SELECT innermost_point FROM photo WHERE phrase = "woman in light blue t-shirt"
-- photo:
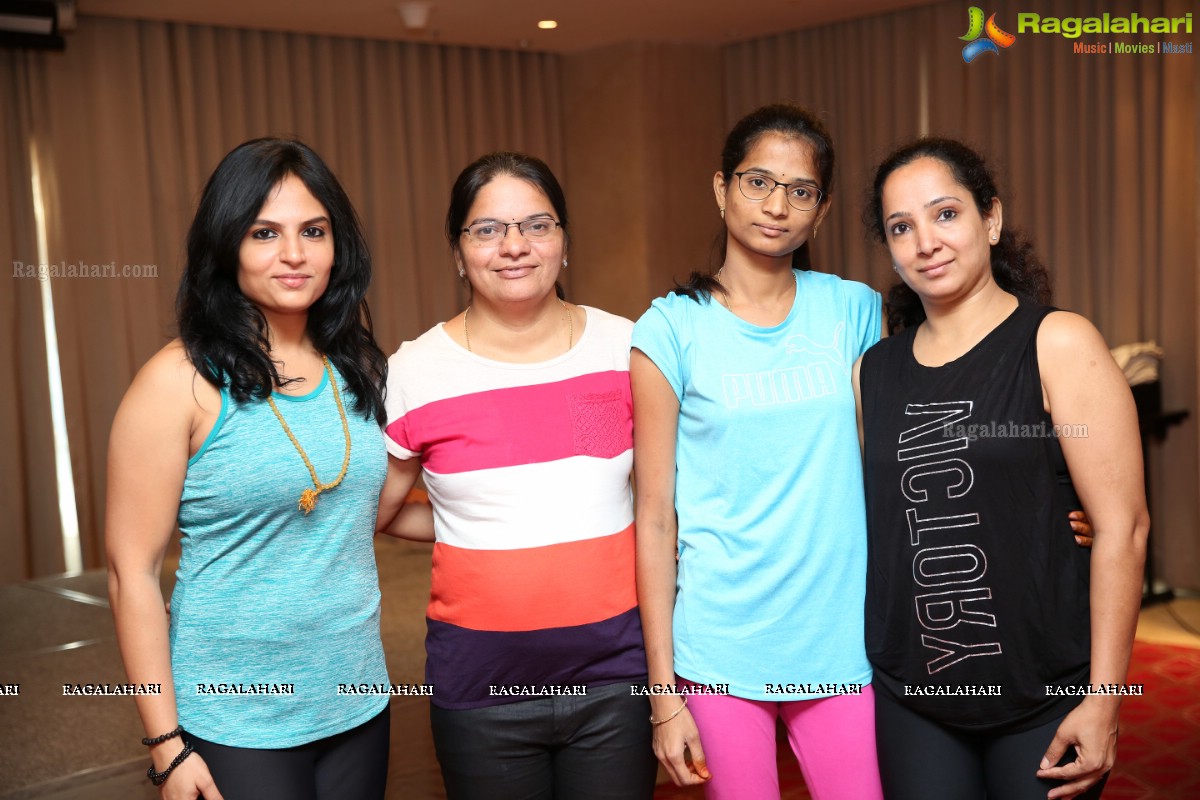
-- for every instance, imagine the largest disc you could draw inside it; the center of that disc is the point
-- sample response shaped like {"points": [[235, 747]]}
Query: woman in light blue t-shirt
{"points": [[750, 512]]}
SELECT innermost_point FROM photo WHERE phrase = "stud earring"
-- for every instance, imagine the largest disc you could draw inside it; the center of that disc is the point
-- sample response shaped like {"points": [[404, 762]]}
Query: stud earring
{"points": [[995, 237], [722, 213], [462, 273], [564, 263]]}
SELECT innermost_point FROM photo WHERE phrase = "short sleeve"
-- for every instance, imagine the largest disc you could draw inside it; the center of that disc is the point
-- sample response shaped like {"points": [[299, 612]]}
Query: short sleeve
{"points": [[655, 335], [400, 440], [865, 314]]}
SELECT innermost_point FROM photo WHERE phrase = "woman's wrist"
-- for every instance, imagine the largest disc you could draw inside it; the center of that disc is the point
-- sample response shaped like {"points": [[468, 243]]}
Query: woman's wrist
{"points": [[656, 719], [663, 704], [164, 753], [158, 775]]}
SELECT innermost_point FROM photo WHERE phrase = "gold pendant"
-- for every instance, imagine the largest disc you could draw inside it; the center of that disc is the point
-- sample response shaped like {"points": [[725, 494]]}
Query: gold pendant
{"points": [[308, 501]]}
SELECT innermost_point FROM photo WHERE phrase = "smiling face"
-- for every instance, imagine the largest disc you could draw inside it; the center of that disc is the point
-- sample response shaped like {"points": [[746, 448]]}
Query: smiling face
{"points": [[770, 227], [939, 241], [285, 259], [513, 269]]}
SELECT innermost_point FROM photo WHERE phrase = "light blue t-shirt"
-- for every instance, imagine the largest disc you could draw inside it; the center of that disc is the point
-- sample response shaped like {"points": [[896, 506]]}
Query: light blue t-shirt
{"points": [[270, 600], [769, 489]]}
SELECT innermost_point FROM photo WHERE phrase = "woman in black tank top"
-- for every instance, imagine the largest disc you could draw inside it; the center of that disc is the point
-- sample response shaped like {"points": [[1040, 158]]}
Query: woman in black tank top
{"points": [[999, 669]]}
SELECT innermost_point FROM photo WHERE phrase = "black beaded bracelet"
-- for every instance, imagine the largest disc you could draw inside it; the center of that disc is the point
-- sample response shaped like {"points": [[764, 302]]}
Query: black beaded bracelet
{"points": [[163, 738], [158, 778]]}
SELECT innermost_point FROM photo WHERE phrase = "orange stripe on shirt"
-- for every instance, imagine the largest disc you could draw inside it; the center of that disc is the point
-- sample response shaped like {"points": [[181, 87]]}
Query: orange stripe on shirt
{"points": [[555, 586]]}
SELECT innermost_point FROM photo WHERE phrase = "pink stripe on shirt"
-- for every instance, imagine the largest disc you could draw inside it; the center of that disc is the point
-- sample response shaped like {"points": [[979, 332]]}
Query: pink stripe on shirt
{"points": [[497, 428]]}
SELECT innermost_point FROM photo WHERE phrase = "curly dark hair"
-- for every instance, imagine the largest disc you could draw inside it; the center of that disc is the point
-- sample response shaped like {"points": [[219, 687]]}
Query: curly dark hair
{"points": [[1015, 266], [786, 119], [225, 335]]}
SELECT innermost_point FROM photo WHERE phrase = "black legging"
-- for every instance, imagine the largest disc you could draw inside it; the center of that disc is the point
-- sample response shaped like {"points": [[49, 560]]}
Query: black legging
{"points": [[922, 760], [352, 764]]}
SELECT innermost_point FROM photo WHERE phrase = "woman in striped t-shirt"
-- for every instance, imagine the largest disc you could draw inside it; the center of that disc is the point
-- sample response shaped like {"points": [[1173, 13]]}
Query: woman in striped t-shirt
{"points": [[518, 410]]}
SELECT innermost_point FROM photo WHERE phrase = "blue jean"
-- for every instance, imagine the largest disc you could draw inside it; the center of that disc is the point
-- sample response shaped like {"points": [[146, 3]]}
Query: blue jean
{"points": [[593, 747]]}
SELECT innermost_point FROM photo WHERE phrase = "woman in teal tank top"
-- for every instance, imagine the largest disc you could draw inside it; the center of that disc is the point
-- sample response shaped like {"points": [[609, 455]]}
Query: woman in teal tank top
{"points": [[257, 432]]}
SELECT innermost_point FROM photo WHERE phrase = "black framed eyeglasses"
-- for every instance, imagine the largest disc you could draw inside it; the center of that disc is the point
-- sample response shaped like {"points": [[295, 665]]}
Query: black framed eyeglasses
{"points": [[758, 187], [490, 231]]}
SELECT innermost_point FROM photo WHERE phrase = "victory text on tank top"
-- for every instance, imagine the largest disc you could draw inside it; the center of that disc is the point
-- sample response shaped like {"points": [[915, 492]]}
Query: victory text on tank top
{"points": [[948, 567]]}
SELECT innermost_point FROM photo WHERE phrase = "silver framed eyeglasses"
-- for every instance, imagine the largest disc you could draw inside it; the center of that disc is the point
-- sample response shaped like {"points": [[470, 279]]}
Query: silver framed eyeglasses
{"points": [[758, 187], [490, 231]]}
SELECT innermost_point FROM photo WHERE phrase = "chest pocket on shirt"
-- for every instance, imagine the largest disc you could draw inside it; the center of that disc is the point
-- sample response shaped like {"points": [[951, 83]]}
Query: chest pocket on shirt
{"points": [[600, 424]]}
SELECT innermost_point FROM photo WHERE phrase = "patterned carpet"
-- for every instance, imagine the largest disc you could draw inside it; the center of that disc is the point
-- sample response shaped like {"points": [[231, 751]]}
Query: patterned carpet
{"points": [[1158, 755]]}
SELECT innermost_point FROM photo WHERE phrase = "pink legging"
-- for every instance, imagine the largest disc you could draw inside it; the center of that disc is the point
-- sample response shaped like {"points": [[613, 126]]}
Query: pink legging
{"points": [[833, 738]]}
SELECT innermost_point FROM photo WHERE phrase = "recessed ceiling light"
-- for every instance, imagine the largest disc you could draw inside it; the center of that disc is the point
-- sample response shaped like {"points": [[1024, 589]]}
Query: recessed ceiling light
{"points": [[415, 14], [547, 24]]}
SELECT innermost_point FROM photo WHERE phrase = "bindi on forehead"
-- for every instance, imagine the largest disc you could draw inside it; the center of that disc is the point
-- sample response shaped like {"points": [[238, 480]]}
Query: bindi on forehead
{"points": [[781, 157]]}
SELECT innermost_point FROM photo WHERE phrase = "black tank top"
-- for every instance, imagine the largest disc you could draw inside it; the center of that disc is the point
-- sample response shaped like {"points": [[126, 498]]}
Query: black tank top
{"points": [[975, 585]]}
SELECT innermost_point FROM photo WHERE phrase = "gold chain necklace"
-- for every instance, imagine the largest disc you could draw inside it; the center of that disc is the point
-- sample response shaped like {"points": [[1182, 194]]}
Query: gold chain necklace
{"points": [[308, 498], [724, 295], [570, 327]]}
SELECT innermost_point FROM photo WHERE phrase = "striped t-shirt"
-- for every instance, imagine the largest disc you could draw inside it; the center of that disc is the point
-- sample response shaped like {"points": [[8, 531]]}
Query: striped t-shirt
{"points": [[527, 467]]}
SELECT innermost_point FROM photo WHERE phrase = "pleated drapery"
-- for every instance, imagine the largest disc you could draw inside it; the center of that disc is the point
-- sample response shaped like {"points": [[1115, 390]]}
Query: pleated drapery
{"points": [[1097, 154], [134, 117]]}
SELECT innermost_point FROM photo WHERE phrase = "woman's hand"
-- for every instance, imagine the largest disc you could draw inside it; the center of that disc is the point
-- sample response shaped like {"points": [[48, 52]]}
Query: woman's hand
{"points": [[1091, 728], [188, 781], [677, 745], [1082, 526]]}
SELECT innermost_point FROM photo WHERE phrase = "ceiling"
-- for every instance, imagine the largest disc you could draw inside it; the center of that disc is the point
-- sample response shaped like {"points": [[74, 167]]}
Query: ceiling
{"points": [[582, 24]]}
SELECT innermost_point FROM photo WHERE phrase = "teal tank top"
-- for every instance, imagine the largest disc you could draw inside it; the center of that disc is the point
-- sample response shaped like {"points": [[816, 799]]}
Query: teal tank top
{"points": [[273, 609]]}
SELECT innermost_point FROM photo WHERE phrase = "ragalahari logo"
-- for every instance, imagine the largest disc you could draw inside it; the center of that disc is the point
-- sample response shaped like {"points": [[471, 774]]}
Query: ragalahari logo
{"points": [[996, 38]]}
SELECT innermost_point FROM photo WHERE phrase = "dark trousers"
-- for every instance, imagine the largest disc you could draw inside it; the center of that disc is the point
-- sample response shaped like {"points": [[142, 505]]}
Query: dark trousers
{"points": [[349, 765], [594, 747], [922, 760]]}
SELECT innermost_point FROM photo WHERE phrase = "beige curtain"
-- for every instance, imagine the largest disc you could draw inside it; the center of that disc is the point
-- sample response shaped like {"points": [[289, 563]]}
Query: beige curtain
{"points": [[1098, 154], [135, 115], [26, 453], [861, 77]]}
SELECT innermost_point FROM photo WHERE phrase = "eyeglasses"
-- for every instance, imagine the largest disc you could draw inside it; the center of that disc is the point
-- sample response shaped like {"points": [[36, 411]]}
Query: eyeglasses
{"points": [[800, 196], [491, 231]]}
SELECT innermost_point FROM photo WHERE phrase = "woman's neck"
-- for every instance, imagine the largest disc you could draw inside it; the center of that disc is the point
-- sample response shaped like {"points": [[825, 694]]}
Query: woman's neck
{"points": [[292, 350], [519, 332], [983, 310], [759, 289], [287, 331], [952, 329]]}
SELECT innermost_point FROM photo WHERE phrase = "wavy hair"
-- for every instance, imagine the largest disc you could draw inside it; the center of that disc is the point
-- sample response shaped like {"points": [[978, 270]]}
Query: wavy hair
{"points": [[225, 335], [1015, 267], [788, 120]]}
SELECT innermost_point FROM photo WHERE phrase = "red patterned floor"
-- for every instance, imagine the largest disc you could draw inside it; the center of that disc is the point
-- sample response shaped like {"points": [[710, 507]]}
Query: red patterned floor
{"points": [[1158, 755]]}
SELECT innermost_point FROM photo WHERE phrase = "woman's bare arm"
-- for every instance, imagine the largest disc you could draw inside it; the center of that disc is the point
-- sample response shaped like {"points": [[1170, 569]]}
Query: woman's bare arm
{"points": [[147, 463], [655, 420], [412, 521], [1084, 387]]}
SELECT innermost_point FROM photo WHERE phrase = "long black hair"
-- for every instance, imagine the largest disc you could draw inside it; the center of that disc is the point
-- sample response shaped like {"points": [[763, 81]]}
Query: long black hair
{"points": [[225, 335], [785, 119], [484, 170], [1015, 267]]}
